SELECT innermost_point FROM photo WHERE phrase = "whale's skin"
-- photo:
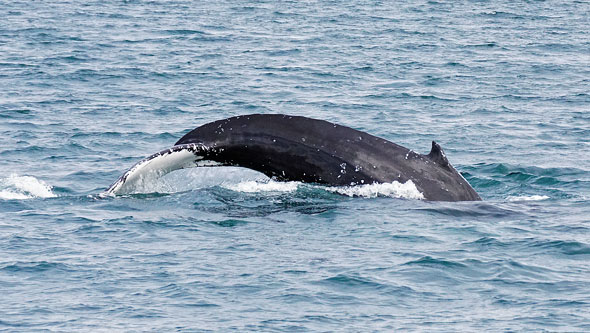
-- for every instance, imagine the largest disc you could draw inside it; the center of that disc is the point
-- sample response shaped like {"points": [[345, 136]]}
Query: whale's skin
{"points": [[316, 151]]}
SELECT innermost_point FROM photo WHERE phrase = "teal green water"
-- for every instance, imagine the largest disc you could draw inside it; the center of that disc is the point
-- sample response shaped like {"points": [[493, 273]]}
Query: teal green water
{"points": [[88, 89]]}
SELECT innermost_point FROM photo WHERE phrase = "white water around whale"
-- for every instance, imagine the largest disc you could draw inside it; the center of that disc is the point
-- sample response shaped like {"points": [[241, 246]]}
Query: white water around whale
{"points": [[253, 186], [160, 173], [16, 187], [527, 198], [244, 180], [394, 189]]}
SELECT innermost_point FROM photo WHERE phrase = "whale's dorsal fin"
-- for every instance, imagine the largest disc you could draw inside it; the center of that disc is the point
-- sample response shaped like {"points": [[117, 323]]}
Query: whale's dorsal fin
{"points": [[438, 155]]}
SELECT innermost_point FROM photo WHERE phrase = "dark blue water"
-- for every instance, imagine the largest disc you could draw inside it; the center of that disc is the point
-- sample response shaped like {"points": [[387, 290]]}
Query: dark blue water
{"points": [[89, 88]]}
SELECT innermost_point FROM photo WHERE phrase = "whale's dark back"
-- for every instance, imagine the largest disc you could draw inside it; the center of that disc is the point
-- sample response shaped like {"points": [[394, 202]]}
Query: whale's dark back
{"points": [[311, 150]]}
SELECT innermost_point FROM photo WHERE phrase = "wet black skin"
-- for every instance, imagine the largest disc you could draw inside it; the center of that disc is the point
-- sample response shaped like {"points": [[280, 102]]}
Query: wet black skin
{"points": [[317, 151]]}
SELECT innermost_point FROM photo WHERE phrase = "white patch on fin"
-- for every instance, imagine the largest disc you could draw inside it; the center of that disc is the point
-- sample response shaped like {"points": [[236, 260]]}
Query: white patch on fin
{"points": [[157, 165]]}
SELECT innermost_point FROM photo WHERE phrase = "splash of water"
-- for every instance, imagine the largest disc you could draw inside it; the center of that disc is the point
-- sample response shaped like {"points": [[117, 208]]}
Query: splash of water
{"points": [[527, 198], [256, 186], [24, 187], [394, 189]]}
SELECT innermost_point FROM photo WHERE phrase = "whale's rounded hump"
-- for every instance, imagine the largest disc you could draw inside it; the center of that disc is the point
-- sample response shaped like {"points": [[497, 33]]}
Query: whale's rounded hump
{"points": [[294, 148], [307, 150], [312, 150]]}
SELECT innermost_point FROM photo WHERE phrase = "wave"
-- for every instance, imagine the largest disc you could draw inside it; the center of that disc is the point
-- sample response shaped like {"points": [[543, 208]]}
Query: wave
{"points": [[526, 183], [24, 187]]}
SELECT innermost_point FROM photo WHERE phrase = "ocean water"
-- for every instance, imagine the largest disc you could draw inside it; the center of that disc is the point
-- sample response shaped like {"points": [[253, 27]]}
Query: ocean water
{"points": [[88, 88]]}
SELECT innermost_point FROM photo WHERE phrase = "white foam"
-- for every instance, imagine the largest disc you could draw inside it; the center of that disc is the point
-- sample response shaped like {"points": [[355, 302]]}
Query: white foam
{"points": [[256, 186], [146, 177], [24, 187], [527, 198], [9, 195], [394, 189]]}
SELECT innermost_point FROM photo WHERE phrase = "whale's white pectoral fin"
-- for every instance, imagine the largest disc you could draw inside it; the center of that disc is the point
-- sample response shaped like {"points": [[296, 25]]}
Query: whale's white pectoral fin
{"points": [[158, 165]]}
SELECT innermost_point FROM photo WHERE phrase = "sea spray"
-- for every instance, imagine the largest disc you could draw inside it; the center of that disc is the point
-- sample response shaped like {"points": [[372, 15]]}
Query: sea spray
{"points": [[16, 187]]}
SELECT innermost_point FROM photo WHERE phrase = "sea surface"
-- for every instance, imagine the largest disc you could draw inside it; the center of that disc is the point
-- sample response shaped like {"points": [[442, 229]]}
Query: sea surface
{"points": [[88, 88]]}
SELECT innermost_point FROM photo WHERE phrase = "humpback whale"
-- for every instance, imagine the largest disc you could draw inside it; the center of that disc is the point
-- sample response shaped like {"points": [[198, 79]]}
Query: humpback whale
{"points": [[303, 149]]}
